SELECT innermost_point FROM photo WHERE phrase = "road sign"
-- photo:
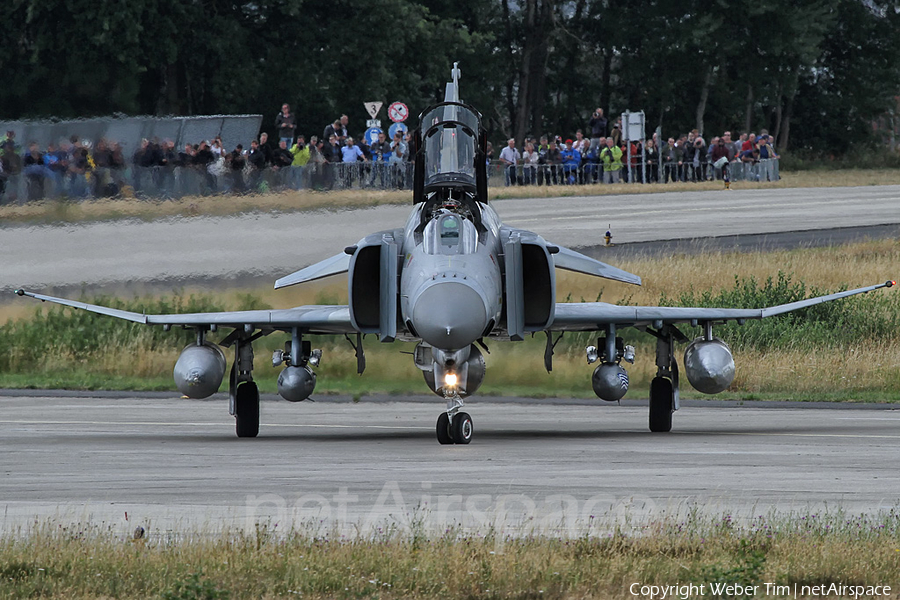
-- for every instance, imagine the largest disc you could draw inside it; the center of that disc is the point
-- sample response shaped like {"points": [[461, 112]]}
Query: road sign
{"points": [[397, 127], [398, 112], [373, 123], [373, 107], [372, 135]]}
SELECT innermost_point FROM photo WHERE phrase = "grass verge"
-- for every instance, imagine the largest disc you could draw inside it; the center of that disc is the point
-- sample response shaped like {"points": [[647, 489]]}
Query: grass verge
{"points": [[847, 350], [797, 551]]}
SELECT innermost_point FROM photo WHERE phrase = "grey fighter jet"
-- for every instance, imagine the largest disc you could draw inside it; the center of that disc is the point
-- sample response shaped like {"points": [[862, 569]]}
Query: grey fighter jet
{"points": [[452, 278]]}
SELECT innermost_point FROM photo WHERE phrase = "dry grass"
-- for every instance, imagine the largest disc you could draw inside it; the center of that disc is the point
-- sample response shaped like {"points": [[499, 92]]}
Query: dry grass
{"points": [[852, 265], [78, 561], [517, 369], [52, 211]]}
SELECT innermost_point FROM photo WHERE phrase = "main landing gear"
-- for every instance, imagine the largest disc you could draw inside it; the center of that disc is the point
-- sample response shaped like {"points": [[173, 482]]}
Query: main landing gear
{"points": [[664, 387], [242, 390], [454, 426]]}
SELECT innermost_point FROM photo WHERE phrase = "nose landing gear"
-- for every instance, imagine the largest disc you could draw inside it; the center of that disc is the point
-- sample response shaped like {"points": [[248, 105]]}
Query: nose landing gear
{"points": [[454, 426]]}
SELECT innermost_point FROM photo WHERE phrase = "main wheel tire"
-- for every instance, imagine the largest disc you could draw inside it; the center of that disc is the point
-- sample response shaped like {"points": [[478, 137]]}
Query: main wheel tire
{"points": [[443, 429], [246, 413], [462, 428], [661, 404]]}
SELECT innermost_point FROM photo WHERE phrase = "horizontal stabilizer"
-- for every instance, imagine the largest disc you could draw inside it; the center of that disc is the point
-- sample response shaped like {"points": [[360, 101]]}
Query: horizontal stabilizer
{"points": [[575, 261], [339, 263]]}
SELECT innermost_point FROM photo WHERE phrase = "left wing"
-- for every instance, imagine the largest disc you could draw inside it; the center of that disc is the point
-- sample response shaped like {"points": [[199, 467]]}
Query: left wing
{"points": [[593, 316], [312, 319]]}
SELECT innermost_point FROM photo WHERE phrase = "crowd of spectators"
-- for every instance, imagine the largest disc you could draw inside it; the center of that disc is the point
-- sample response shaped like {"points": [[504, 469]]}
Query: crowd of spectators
{"points": [[608, 158], [77, 168]]}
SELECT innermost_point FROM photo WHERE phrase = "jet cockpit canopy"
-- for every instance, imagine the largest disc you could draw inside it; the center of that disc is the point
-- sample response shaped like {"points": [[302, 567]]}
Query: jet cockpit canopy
{"points": [[449, 136]]}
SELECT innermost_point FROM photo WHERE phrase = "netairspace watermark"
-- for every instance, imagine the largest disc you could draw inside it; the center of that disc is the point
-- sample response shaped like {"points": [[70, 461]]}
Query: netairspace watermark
{"points": [[423, 511], [737, 590]]}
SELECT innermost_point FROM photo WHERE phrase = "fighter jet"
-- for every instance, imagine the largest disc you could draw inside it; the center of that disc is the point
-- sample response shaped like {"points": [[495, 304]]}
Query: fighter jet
{"points": [[452, 279]]}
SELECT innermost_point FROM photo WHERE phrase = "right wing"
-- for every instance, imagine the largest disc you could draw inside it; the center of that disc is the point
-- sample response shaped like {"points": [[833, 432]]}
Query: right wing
{"points": [[320, 319], [595, 316]]}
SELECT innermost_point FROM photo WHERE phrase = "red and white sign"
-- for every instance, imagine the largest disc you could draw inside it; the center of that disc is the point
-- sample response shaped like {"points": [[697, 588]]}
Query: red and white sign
{"points": [[398, 112]]}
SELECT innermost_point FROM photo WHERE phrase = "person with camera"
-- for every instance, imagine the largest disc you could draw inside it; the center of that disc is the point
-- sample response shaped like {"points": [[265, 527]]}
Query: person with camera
{"points": [[611, 157], [598, 129], [286, 124]]}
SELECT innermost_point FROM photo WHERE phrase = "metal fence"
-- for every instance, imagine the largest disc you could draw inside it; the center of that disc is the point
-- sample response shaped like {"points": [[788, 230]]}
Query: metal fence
{"points": [[40, 182], [652, 172]]}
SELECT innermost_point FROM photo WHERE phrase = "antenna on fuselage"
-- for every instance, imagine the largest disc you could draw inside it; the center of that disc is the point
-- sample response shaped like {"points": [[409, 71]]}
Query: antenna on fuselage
{"points": [[451, 92]]}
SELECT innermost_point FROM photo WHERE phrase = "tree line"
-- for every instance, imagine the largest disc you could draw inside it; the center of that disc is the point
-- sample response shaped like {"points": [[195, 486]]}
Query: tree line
{"points": [[815, 73]]}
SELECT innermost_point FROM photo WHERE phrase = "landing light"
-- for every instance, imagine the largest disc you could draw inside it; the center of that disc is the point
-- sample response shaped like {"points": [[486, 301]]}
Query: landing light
{"points": [[450, 379]]}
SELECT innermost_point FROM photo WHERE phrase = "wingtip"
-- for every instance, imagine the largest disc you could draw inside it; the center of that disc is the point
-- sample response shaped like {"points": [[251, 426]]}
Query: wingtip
{"points": [[20, 292], [890, 283]]}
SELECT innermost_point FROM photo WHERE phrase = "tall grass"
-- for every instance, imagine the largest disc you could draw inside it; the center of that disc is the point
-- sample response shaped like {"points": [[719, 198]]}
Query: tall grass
{"points": [[91, 561], [851, 345]]}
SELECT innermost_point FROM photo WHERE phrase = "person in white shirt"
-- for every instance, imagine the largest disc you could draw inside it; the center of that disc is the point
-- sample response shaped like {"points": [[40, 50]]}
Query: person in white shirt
{"points": [[509, 158]]}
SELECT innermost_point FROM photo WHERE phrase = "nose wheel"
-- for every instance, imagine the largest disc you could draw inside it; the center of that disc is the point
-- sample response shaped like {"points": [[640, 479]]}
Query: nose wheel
{"points": [[454, 426]]}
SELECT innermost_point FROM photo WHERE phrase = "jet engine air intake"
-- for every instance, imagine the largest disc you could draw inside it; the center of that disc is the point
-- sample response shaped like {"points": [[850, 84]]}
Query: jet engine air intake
{"points": [[199, 370]]}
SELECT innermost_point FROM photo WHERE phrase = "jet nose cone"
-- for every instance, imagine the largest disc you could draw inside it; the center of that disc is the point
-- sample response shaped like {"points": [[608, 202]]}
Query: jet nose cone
{"points": [[449, 315]]}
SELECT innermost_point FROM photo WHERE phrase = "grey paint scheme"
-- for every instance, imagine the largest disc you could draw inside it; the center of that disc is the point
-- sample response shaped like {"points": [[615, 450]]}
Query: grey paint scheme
{"points": [[422, 272]]}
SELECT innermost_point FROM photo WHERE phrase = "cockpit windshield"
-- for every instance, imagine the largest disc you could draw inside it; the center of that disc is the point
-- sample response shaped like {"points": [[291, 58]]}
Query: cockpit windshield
{"points": [[449, 135], [450, 233]]}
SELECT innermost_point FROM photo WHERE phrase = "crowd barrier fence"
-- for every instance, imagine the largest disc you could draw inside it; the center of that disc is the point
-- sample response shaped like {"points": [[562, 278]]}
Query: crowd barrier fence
{"points": [[40, 182]]}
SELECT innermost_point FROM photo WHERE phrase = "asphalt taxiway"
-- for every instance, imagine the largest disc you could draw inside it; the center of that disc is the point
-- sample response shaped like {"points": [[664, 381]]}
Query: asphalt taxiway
{"points": [[265, 246], [175, 464]]}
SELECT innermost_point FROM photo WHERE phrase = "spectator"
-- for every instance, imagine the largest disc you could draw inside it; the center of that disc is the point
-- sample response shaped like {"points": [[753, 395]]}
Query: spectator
{"points": [[611, 157], [598, 128], [729, 145], [739, 145], [265, 148], [530, 160], [237, 162], [404, 147], [300, 152], [571, 161], [652, 157], [749, 143], [351, 154], [700, 160], [331, 150], [335, 129], [616, 133], [550, 173], [257, 160], [509, 158], [397, 165], [34, 171], [285, 124], [766, 150], [202, 160], [381, 154], [671, 161], [282, 157], [719, 157]]}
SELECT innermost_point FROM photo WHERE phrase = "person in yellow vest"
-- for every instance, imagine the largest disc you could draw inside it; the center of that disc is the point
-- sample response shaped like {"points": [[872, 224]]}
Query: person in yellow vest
{"points": [[611, 157]]}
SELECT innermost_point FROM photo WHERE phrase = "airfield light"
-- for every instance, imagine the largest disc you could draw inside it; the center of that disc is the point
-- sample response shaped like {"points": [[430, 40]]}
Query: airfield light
{"points": [[450, 379]]}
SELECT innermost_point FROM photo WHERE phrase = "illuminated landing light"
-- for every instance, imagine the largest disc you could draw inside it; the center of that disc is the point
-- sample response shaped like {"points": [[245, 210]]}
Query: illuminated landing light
{"points": [[450, 380]]}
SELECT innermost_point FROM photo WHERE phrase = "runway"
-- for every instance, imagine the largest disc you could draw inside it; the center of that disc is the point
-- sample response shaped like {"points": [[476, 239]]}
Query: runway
{"points": [[264, 246], [174, 464]]}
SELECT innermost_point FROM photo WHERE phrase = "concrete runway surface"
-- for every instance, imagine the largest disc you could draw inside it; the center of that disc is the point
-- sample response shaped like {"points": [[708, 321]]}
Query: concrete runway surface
{"points": [[174, 464], [180, 251]]}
